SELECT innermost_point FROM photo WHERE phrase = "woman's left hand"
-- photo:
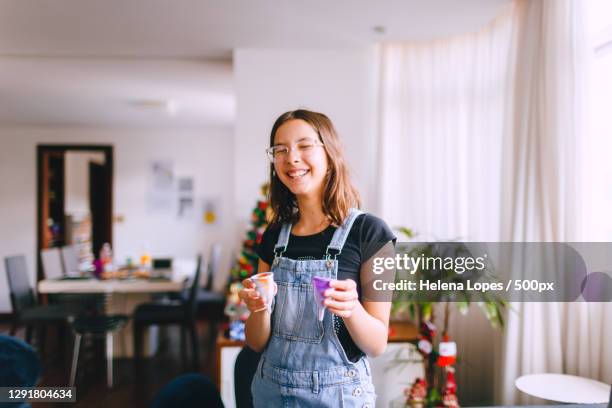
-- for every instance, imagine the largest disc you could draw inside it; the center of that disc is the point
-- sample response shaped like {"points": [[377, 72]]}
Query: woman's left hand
{"points": [[342, 297]]}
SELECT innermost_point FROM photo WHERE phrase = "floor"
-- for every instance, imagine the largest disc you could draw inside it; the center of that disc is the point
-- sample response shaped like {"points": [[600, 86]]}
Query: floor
{"points": [[130, 389]]}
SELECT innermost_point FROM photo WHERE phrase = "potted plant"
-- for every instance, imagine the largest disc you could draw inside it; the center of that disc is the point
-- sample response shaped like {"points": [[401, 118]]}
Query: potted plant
{"points": [[438, 353]]}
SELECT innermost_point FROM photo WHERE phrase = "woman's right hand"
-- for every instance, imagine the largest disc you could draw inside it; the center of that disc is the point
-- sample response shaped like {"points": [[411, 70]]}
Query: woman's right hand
{"points": [[251, 297]]}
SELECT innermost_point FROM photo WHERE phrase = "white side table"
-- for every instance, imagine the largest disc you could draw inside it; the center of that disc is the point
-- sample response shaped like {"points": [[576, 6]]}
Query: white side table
{"points": [[564, 388]]}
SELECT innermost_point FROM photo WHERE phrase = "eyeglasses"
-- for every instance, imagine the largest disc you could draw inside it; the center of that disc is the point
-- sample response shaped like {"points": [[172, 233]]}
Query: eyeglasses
{"points": [[281, 152]]}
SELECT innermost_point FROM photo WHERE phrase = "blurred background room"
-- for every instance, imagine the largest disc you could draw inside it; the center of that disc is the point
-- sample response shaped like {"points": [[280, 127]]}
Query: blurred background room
{"points": [[133, 178]]}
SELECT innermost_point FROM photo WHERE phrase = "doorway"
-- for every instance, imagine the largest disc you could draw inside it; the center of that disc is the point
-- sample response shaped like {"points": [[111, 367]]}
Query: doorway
{"points": [[74, 198]]}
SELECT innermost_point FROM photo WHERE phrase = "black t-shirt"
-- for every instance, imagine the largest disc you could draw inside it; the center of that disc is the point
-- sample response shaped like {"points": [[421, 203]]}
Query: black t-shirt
{"points": [[368, 235]]}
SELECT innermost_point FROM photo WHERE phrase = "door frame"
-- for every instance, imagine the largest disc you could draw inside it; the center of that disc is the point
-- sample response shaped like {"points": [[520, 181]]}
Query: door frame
{"points": [[41, 149]]}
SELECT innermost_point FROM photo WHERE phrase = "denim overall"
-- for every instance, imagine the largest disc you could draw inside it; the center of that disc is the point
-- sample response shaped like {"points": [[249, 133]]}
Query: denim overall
{"points": [[304, 364]]}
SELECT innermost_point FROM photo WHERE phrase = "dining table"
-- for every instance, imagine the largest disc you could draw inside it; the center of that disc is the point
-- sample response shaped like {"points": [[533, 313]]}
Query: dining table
{"points": [[124, 294]]}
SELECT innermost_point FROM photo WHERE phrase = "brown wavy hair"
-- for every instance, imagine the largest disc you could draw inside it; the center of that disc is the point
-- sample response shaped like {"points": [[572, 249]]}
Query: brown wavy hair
{"points": [[339, 194]]}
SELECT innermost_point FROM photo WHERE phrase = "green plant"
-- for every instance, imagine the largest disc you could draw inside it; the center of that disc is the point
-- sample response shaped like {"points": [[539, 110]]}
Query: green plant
{"points": [[419, 306]]}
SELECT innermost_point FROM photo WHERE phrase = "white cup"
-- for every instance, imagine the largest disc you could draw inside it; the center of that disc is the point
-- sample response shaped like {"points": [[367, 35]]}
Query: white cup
{"points": [[264, 284]]}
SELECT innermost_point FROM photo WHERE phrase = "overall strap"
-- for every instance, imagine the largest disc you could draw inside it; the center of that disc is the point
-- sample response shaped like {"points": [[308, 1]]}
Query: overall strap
{"points": [[283, 240], [335, 246]]}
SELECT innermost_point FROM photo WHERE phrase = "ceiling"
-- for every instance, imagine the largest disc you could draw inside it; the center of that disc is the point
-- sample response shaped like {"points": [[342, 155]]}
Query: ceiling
{"points": [[115, 93], [117, 62], [212, 28]]}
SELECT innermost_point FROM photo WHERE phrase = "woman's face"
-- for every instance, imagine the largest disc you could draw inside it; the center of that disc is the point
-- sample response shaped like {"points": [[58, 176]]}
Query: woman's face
{"points": [[302, 169]]}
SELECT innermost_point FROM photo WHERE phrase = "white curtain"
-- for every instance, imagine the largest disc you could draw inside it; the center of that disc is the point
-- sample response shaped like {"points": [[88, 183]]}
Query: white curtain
{"points": [[442, 110], [479, 141], [546, 171], [443, 117]]}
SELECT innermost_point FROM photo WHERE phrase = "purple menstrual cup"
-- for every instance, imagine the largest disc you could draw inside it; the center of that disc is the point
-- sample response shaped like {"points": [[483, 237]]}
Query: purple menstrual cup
{"points": [[320, 285]]}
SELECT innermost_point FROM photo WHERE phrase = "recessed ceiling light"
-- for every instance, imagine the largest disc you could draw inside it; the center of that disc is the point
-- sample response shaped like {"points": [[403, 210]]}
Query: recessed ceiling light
{"points": [[167, 105]]}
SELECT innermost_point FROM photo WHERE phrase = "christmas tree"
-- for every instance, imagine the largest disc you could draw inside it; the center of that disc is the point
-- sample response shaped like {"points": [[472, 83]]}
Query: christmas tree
{"points": [[246, 264]]}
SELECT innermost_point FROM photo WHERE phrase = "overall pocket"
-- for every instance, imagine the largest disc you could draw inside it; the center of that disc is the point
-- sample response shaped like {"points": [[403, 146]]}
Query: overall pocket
{"points": [[356, 395], [295, 313]]}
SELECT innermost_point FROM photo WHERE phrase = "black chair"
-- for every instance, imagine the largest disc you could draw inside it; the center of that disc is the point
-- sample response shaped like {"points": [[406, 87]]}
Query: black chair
{"points": [[244, 371], [93, 321], [159, 268], [181, 312], [26, 310], [211, 304]]}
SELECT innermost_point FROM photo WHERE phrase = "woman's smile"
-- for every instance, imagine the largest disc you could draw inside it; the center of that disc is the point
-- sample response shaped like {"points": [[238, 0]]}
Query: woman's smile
{"points": [[297, 174]]}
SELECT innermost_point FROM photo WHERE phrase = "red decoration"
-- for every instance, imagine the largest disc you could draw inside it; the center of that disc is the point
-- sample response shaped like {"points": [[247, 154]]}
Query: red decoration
{"points": [[427, 330], [426, 336], [417, 393], [451, 385], [450, 400], [447, 351]]}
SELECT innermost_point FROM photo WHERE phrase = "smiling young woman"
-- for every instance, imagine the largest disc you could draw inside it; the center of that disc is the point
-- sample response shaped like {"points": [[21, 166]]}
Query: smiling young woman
{"points": [[340, 195], [317, 233]]}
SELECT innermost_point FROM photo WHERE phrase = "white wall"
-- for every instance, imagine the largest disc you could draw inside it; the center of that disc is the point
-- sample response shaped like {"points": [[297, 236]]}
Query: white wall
{"points": [[205, 154], [340, 83]]}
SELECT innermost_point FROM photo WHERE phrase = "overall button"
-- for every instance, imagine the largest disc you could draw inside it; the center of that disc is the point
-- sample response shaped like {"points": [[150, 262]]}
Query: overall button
{"points": [[351, 373], [329, 264], [357, 392]]}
